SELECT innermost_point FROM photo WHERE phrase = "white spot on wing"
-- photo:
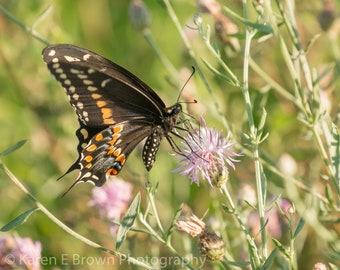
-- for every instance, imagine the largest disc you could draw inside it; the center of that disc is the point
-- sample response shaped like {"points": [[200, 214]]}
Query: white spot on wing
{"points": [[67, 82], [87, 175], [75, 71], [87, 82], [86, 57], [51, 53], [75, 96], [92, 88], [80, 105], [84, 132], [56, 65], [82, 76], [71, 58], [105, 82]]}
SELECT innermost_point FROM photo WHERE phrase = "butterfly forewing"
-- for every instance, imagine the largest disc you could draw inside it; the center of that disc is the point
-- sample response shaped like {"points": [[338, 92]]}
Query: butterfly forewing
{"points": [[116, 111], [100, 91]]}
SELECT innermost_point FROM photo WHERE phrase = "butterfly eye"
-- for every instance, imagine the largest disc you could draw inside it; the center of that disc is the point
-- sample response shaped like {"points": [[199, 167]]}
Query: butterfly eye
{"points": [[176, 109]]}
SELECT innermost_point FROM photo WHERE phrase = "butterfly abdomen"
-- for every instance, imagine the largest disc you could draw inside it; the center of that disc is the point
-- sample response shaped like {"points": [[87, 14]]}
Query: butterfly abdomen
{"points": [[151, 147]]}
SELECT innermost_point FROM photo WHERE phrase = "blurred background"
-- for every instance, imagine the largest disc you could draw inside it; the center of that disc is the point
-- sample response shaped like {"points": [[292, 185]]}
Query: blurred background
{"points": [[33, 106]]}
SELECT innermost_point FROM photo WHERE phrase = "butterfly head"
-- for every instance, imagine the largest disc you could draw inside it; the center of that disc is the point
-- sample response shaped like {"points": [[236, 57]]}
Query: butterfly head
{"points": [[175, 109]]}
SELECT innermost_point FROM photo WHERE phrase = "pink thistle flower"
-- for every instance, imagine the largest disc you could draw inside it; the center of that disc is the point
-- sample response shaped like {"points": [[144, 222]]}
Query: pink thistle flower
{"points": [[27, 253], [17, 251], [112, 199], [206, 154]]}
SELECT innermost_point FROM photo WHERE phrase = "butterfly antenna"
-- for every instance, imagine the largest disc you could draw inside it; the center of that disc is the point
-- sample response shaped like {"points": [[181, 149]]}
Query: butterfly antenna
{"points": [[185, 84]]}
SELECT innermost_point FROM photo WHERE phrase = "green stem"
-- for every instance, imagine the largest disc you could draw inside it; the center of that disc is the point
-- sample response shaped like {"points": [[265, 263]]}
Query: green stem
{"points": [[190, 50], [254, 136], [289, 60], [67, 229], [215, 53], [292, 250], [290, 23], [256, 261], [274, 85], [22, 25], [154, 211], [324, 156], [164, 241]]}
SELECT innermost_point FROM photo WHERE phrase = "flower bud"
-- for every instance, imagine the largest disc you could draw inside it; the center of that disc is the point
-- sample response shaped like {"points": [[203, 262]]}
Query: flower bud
{"points": [[139, 15], [327, 15], [218, 174], [192, 225], [212, 246]]}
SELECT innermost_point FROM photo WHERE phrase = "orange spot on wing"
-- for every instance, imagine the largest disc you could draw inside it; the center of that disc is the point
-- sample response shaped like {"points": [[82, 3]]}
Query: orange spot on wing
{"points": [[91, 148], [117, 129], [88, 165], [106, 112], [99, 137], [108, 121], [110, 150], [96, 96], [101, 103], [112, 142], [112, 171], [115, 136], [88, 158], [121, 159], [117, 152]]}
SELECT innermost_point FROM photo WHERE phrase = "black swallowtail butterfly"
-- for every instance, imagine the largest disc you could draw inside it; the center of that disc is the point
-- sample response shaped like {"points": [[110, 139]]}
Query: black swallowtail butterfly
{"points": [[115, 109]]}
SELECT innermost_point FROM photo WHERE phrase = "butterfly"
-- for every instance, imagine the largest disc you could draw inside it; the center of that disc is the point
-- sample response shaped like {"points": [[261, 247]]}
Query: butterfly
{"points": [[115, 109]]}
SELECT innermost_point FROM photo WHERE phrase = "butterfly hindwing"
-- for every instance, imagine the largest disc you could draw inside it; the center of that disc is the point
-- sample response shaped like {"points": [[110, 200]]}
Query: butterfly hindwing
{"points": [[84, 134], [107, 151]]}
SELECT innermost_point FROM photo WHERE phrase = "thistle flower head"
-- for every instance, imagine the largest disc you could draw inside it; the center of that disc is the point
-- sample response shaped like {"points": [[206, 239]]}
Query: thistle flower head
{"points": [[192, 225], [206, 154], [210, 244]]}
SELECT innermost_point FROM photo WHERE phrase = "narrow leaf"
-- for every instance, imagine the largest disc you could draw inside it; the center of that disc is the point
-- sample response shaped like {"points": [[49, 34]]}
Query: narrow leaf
{"points": [[13, 148], [269, 260], [19, 220], [128, 220], [173, 223], [335, 154], [281, 247], [216, 72], [299, 228]]}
